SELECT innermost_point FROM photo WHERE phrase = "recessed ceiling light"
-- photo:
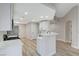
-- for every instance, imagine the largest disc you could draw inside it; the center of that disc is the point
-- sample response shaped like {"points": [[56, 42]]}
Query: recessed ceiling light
{"points": [[21, 18], [26, 13], [41, 17], [46, 16]]}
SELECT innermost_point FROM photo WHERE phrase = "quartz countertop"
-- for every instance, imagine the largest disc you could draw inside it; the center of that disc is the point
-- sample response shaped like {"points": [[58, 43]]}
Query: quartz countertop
{"points": [[10, 43], [49, 33], [11, 48]]}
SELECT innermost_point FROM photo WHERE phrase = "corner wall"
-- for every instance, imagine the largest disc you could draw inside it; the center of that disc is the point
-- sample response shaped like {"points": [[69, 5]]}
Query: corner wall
{"points": [[60, 29], [61, 25], [70, 16], [73, 15]]}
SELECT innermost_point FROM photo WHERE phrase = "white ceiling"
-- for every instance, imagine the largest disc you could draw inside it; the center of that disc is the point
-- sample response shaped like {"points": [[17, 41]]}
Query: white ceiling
{"points": [[61, 8], [35, 10]]}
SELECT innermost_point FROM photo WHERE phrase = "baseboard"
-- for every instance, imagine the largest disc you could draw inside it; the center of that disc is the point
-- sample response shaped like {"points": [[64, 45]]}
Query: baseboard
{"points": [[67, 41], [61, 40], [74, 47]]}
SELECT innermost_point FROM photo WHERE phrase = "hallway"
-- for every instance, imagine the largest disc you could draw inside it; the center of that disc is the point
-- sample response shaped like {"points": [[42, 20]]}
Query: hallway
{"points": [[63, 49]]}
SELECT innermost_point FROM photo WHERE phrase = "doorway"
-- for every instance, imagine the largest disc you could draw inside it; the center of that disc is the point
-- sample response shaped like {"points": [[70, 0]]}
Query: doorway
{"points": [[68, 37]]}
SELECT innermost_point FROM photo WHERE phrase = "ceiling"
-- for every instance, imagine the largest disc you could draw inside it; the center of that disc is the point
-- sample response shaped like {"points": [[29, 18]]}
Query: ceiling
{"points": [[61, 8], [36, 11]]}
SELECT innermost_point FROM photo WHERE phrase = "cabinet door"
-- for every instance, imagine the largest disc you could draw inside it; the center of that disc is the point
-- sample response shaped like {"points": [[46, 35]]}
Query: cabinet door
{"points": [[44, 26], [5, 17]]}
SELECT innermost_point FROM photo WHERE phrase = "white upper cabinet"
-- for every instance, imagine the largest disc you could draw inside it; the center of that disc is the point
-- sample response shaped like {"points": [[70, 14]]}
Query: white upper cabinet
{"points": [[5, 17], [44, 26]]}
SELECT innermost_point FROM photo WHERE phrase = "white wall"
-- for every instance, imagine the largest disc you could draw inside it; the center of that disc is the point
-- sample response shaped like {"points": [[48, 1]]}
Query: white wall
{"points": [[29, 30], [75, 29], [32, 30], [68, 17], [73, 16], [5, 17], [61, 24], [60, 29]]}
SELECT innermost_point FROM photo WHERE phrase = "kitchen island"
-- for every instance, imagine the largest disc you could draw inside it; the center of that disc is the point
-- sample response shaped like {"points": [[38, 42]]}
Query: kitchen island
{"points": [[11, 48], [46, 44]]}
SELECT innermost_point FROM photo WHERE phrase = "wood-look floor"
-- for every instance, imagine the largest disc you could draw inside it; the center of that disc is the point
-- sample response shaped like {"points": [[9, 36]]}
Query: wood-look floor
{"points": [[65, 49], [62, 49]]}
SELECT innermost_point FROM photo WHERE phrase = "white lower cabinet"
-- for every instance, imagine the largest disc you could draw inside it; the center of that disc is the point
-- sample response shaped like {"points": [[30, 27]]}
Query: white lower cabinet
{"points": [[46, 45], [11, 48]]}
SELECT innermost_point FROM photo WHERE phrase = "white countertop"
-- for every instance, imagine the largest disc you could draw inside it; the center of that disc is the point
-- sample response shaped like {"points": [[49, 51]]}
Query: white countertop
{"points": [[10, 43], [49, 33], [11, 48]]}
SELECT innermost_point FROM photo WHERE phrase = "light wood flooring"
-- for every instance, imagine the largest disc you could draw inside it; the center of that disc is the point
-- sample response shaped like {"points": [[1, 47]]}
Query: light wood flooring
{"points": [[62, 49], [65, 49]]}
